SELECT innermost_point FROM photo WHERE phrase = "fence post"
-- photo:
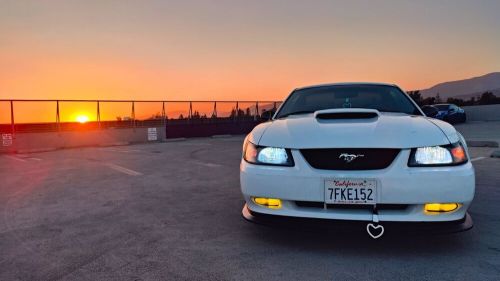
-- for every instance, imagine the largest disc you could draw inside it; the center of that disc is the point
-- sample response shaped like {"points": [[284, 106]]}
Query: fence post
{"points": [[163, 115], [214, 114], [256, 110], [190, 113], [98, 115], [133, 114], [12, 124], [58, 118], [237, 111]]}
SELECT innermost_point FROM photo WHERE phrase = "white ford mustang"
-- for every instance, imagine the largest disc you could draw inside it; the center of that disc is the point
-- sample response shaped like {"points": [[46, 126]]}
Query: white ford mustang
{"points": [[361, 153]]}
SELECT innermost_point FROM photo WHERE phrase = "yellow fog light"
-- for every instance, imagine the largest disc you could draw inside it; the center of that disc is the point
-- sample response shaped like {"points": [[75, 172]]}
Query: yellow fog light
{"points": [[441, 207], [267, 202]]}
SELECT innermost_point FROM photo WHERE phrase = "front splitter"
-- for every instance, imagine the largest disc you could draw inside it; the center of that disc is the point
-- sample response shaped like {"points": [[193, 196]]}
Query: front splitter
{"points": [[353, 226]]}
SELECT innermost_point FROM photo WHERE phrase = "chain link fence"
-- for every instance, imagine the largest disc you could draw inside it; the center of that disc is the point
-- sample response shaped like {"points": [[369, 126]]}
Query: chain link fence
{"points": [[181, 118]]}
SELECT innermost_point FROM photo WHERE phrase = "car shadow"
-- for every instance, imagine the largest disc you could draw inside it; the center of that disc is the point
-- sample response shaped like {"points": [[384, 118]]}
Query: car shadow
{"points": [[359, 242]]}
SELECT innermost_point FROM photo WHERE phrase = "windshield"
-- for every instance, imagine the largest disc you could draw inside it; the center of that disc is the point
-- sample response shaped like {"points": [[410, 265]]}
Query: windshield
{"points": [[442, 107], [383, 98]]}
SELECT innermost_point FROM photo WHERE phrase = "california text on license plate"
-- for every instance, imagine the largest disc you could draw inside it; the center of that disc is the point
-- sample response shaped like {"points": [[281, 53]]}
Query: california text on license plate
{"points": [[350, 191]]}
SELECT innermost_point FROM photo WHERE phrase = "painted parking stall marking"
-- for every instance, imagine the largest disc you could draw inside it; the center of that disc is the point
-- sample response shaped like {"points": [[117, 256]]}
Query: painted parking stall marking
{"points": [[206, 164], [477, 158], [15, 158], [123, 170], [34, 158], [121, 150], [21, 158]]}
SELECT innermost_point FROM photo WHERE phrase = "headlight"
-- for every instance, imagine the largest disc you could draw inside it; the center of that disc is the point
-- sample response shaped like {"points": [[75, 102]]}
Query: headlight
{"points": [[267, 155], [448, 155]]}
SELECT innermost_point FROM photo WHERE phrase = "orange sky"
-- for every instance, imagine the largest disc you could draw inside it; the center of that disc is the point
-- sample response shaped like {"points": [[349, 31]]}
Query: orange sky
{"points": [[245, 50]]}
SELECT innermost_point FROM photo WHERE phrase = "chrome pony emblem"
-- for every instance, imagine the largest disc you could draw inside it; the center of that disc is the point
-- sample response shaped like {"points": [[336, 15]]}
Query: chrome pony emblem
{"points": [[348, 158]]}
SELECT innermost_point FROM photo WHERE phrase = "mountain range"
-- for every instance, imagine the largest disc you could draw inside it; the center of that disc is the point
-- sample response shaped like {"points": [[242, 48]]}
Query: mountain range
{"points": [[466, 88]]}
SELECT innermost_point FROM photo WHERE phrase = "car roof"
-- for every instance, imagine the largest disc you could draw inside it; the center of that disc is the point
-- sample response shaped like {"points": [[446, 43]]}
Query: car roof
{"points": [[346, 84], [442, 104]]}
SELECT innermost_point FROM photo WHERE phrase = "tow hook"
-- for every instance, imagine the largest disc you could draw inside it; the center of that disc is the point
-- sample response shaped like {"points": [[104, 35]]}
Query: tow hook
{"points": [[374, 229]]}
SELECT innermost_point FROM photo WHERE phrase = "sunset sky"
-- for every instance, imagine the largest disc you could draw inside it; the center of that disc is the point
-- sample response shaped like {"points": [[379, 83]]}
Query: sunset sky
{"points": [[245, 50]]}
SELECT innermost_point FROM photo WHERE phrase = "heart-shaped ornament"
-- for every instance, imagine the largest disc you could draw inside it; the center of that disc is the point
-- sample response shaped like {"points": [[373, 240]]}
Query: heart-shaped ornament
{"points": [[375, 231]]}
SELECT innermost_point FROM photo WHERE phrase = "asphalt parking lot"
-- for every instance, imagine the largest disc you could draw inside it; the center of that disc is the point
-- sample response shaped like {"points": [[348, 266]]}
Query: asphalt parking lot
{"points": [[172, 211]]}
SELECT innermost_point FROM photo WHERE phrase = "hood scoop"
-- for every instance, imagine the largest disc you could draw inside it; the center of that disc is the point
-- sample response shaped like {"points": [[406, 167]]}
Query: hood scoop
{"points": [[346, 113]]}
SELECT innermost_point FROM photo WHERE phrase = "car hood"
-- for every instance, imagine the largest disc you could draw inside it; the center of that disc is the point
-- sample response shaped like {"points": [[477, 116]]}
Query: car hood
{"points": [[388, 130]]}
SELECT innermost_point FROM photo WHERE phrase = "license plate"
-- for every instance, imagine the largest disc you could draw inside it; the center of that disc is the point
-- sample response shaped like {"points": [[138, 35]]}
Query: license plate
{"points": [[350, 191]]}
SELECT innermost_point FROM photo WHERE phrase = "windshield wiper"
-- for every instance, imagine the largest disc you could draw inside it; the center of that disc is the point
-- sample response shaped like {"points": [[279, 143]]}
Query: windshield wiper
{"points": [[295, 113]]}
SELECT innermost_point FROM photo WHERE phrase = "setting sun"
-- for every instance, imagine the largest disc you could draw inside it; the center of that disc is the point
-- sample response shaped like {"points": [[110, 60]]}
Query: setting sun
{"points": [[82, 119]]}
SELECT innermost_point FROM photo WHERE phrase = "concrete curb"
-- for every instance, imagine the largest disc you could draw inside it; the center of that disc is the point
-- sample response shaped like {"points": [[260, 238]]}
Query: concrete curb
{"points": [[473, 143], [495, 154], [175, 139], [37, 150], [221, 136], [113, 144]]}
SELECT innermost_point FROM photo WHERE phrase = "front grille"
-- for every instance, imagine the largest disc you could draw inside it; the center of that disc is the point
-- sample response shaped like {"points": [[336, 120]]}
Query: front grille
{"points": [[320, 205], [310, 204], [383, 207], [360, 158]]}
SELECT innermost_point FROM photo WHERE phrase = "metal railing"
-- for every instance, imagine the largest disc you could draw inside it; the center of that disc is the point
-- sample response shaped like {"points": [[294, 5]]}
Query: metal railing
{"points": [[219, 111]]}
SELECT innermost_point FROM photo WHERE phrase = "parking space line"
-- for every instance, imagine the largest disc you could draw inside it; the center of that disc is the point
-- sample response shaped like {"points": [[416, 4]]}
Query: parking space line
{"points": [[194, 144], [123, 170], [15, 158], [477, 158], [121, 150], [206, 164]]}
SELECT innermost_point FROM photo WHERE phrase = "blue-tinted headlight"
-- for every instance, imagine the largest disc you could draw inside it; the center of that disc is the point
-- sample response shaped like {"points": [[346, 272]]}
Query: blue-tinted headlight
{"points": [[267, 155], [447, 155]]}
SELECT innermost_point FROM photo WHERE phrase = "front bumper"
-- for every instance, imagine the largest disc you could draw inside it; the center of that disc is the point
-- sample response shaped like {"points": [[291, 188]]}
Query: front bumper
{"points": [[396, 184], [344, 226]]}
